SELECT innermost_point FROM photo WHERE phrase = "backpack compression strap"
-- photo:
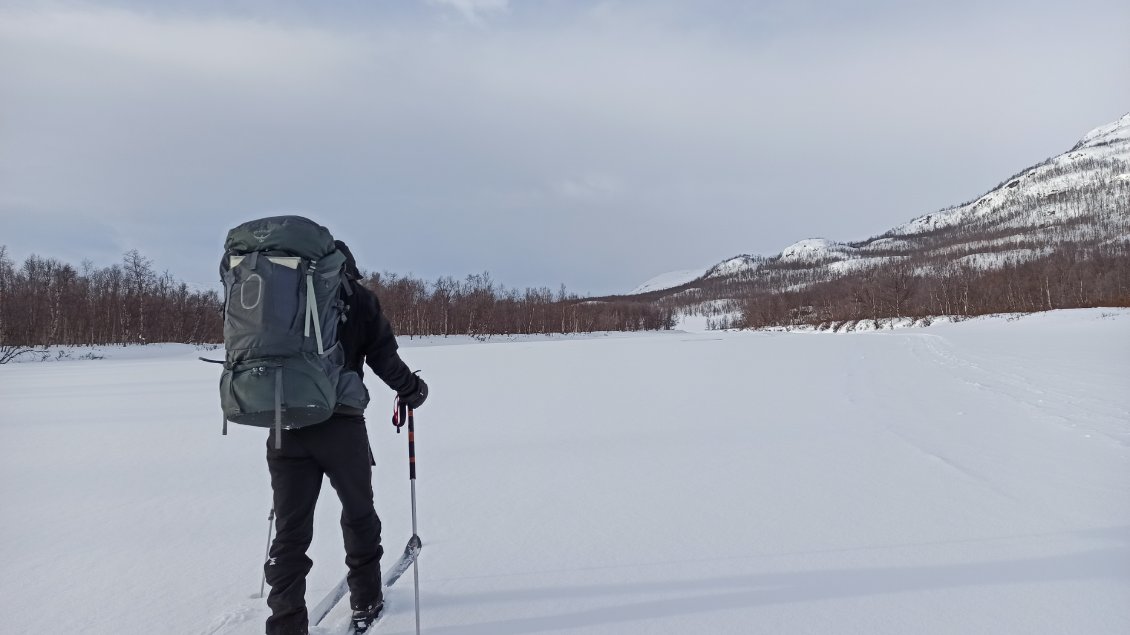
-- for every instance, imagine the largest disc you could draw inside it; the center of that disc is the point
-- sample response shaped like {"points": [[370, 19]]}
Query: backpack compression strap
{"points": [[312, 310], [278, 407]]}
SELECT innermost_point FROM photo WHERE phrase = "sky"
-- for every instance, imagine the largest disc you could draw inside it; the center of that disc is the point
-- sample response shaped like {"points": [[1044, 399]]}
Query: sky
{"points": [[588, 143]]}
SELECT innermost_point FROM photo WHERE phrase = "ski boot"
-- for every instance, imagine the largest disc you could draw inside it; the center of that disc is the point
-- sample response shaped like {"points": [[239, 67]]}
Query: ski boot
{"points": [[363, 618]]}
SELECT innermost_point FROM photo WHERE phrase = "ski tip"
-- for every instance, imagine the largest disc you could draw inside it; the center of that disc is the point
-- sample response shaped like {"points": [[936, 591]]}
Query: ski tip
{"points": [[415, 542]]}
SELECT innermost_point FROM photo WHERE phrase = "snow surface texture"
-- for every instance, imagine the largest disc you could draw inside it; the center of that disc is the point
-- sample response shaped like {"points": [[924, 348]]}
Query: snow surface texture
{"points": [[963, 478]]}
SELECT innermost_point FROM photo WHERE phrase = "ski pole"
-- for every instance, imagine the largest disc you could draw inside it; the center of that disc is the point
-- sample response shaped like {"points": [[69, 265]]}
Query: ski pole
{"points": [[267, 556], [412, 480], [400, 414]]}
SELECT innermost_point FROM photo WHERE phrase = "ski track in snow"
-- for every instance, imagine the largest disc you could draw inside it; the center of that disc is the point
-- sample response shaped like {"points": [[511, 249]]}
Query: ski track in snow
{"points": [[962, 478], [1099, 413]]}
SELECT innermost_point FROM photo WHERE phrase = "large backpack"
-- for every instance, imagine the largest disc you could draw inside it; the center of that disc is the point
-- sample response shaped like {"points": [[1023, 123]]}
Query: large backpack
{"points": [[285, 294]]}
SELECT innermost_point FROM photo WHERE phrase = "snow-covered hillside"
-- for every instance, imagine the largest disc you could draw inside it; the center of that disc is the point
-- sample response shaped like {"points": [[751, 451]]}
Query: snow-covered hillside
{"points": [[1034, 198], [1080, 195], [963, 478], [669, 280], [679, 278]]}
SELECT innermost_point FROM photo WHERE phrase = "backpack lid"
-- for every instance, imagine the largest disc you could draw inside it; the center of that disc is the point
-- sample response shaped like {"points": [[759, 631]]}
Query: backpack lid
{"points": [[291, 234]]}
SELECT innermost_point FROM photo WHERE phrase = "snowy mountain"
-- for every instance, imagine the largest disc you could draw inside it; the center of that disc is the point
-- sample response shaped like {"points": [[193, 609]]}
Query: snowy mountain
{"points": [[1079, 197], [1048, 194], [668, 280]]}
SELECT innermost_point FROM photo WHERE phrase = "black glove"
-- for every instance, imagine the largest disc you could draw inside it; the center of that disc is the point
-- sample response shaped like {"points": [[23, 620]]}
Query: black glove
{"points": [[415, 397]]}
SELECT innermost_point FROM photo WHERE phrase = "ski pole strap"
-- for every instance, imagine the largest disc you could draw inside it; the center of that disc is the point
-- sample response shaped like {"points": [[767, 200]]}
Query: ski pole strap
{"points": [[411, 444], [399, 413]]}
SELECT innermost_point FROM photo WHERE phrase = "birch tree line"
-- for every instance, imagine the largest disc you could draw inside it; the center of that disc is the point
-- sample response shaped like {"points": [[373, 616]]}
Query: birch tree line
{"points": [[480, 307], [969, 273], [1040, 248], [46, 302], [1062, 280]]}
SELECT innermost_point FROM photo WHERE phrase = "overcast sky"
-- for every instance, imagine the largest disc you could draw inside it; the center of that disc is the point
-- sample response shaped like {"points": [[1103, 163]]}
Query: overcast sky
{"points": [[594, 144]]}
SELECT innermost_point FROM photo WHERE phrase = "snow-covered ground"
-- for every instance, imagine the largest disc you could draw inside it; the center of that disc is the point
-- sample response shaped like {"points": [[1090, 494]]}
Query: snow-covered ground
{"points": [[961, 478]]}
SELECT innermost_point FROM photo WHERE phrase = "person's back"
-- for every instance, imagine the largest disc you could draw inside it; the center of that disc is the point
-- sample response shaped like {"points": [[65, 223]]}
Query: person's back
{"points": [[338, 448]]}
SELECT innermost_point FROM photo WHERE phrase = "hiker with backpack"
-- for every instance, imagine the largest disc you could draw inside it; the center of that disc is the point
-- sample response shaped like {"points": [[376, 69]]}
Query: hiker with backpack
{"points": [[298, 329]]}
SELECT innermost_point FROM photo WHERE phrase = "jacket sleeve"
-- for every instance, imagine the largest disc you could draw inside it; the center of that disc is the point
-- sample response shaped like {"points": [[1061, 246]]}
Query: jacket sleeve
{"points": [[380, 350]]}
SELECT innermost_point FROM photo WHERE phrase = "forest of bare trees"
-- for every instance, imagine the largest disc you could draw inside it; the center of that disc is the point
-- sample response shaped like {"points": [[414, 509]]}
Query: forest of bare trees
{"points": [[480, 307], [915, 284], [1059, 250], [45, 302], [1054, 236], [1065, 279]]}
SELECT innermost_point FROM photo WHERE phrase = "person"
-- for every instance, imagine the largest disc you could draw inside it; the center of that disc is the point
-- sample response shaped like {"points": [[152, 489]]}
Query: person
{"points": [[338, 448]]}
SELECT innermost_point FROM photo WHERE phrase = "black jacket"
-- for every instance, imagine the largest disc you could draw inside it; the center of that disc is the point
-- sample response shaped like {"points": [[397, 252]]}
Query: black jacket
{"points": [[367, 338]]}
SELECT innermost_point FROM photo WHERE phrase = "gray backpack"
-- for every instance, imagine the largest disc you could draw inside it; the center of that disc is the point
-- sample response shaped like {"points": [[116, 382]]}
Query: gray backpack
{"points": [[285, 294]]}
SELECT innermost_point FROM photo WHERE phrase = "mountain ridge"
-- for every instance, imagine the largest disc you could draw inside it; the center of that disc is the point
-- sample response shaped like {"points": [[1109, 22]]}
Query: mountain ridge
{"points": [[1066, 197]]}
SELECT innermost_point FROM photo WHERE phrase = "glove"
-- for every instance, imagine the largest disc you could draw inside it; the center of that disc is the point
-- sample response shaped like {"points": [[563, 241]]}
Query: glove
{"points": [[415, 397]]}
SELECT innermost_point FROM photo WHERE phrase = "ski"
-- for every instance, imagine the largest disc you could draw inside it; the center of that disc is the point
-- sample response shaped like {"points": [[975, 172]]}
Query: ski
{"points": [[411, 550]]}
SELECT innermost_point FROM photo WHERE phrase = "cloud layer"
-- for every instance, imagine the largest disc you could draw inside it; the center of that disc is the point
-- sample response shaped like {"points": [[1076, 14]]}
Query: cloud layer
{"points": [[593, 144]]}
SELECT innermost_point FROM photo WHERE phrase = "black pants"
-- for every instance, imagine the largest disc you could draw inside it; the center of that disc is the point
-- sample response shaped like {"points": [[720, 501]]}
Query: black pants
{"points": [[338, 448]]}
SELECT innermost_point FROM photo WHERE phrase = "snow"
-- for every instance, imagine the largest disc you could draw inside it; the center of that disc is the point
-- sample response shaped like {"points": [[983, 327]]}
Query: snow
{"points": [[697, 318], [71, 353], [844, 267], [814, 250], [669, 280], [1110, 133], [970, 477], [735, 265], [996, 260]]}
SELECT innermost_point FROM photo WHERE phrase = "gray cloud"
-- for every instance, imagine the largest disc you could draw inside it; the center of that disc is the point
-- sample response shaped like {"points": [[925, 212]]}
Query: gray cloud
{"points": [[592, 144], [473, 10]]}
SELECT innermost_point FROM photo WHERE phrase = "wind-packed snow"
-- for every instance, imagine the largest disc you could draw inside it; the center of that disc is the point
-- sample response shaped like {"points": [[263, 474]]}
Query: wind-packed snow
{"points": [[961, 478]]}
